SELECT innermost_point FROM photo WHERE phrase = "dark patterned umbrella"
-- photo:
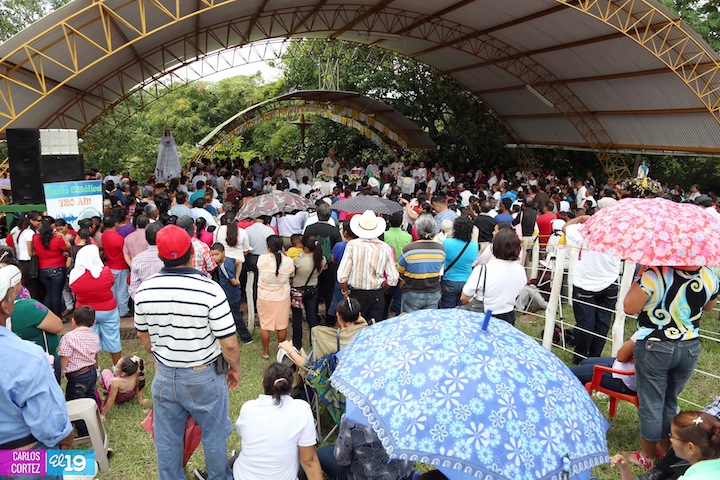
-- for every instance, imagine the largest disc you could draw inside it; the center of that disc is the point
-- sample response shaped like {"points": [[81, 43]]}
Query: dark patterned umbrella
{"points": [[362, 202], [272, 203]]}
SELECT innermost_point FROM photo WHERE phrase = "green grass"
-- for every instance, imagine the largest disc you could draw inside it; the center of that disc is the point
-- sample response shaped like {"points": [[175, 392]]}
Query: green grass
{"points": [[135, 453]]}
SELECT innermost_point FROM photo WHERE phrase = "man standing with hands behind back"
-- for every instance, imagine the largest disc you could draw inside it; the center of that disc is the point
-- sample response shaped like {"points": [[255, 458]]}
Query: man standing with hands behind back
{"points": [[183, 318]]}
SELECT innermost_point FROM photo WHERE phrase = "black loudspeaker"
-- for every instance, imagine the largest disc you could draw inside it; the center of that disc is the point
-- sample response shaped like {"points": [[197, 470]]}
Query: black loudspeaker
{"points": [[24, 156], [61, 168]]}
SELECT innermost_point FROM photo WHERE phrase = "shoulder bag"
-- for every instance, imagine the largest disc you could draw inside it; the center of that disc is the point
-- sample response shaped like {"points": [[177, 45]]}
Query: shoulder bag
{"points": [[456, 258], [475, 305]]}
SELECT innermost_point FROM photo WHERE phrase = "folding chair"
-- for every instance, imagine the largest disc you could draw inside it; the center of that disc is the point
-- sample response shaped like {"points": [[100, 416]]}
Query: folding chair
{"points": [[326, 342]]}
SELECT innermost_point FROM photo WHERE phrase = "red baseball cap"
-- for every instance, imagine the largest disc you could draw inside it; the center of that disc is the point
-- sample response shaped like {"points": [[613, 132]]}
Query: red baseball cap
{"points": [[172, 242]]}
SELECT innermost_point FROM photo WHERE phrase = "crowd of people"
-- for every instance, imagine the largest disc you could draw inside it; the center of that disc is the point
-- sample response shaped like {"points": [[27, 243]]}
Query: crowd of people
{"points": [[183, 249]]}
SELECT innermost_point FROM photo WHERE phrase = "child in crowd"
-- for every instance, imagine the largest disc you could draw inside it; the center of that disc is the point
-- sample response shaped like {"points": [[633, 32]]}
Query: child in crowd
{"points": [[123, 383], [202, 233], [78, 359], [297, 248], [229, 279]]}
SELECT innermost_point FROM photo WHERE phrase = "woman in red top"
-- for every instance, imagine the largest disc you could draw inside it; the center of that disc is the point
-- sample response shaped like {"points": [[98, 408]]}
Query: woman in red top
{"points": [[50, 247], [92, 282]]}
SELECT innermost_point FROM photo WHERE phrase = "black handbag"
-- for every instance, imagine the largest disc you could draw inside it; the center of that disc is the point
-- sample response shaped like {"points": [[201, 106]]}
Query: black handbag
{"points": [[475, 305], [34, 270], [309, 292]]}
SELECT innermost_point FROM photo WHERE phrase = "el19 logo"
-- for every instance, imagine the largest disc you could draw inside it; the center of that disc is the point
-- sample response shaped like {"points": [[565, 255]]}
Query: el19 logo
{"points": [[70, 462]]}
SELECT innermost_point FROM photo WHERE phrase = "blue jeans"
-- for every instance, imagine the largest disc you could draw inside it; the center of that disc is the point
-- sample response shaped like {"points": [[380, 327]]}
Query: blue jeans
{"points": [[336, 299], [329, 465], [240, 326], [450, 293], [81, 386], [120, 291], [592, 319], [203, 394], [39, 446], [310, 305], [584, 373], [393, 300], [54, 281], [662, 370], [414, 301]]}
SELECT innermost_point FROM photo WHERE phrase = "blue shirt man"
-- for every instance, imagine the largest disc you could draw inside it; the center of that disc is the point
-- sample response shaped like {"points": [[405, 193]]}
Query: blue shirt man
{"points": [[33, 412]]}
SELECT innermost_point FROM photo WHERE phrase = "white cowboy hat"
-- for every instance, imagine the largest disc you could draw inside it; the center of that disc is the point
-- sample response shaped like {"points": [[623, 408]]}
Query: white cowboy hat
{"points": [[373, 182], [407, 181], [367, 225]]}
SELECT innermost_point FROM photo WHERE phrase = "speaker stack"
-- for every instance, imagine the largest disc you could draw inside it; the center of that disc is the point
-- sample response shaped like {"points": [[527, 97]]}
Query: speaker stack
{"points": [[41, 156]]}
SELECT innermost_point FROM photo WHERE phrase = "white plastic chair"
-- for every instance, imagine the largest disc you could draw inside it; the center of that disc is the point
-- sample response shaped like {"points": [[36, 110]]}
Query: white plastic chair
{"points": [[86, 409]]}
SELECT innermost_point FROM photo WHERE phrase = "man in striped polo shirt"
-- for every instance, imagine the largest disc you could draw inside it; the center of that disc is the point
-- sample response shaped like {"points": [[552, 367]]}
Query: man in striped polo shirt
{"points": [[420, 267], [184, 320]]}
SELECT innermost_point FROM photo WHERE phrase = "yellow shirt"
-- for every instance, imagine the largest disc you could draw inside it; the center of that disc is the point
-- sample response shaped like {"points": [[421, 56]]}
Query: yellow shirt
{"points": [[294, 252]]}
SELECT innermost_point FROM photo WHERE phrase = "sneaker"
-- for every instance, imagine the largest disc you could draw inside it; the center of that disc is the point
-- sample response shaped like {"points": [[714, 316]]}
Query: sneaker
{"points": [[200, 474], [247, 342]]}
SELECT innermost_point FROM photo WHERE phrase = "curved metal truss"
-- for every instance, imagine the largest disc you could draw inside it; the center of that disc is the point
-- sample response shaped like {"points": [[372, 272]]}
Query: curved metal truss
{"points": [[325, 111], [117, 109], [187, 71], [24, 83]]}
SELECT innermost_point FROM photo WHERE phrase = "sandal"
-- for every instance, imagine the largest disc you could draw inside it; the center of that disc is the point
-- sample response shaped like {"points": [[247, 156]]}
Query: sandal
{"points": [[265, 357], [637, 458]]}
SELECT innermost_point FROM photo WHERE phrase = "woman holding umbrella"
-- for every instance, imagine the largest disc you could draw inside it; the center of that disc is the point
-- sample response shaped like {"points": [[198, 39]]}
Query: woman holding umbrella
{"points": [[669, 302], [674, 241]]}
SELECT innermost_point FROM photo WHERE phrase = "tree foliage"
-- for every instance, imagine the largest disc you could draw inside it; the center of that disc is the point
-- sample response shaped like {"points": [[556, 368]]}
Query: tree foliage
{"points": [[17, 14], [190, 112], [464, 128], [702, 15]]}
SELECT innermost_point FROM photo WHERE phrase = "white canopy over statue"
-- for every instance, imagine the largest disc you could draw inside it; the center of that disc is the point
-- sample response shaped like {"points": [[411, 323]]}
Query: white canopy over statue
{"points": [[168, 162]]}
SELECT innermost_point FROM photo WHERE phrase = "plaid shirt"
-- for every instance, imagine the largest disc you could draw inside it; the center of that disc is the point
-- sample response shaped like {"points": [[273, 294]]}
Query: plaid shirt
{"points": [[714, 408], [367, 264], [81, 345], [144, 265], [202, 258]]}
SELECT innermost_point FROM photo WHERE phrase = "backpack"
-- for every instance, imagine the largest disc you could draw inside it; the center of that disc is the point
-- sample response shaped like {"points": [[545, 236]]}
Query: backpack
{"points": [[326, 245]]}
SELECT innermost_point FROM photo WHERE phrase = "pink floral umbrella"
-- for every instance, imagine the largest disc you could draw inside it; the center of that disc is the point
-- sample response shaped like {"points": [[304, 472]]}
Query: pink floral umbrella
{"points": [[655, 232]]}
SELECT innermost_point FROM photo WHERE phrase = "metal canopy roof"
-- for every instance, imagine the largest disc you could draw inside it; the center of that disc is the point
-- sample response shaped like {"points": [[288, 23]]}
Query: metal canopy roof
{"points": [[603, 74], [371, 113]]}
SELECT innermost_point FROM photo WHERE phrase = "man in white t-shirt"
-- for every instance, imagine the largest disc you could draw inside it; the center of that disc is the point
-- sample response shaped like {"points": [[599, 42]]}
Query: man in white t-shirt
{"points": [[465, 195], [420, 174], [397, 166], [492, 180], [580, 193], [595, 291], [432, 184], [303, 171]]}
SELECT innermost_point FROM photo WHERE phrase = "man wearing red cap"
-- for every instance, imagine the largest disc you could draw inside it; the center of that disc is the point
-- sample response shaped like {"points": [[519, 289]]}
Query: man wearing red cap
{"points": [[183, 319]]}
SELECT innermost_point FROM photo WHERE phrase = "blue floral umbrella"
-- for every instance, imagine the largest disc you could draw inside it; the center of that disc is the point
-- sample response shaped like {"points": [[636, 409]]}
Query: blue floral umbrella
{"points": [[487, 404]]}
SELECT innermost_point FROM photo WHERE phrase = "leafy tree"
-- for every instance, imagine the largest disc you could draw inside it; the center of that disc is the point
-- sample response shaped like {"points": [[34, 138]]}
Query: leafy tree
{"points": [[18, 14], [465, 130], [702, 15], [190, 112]]}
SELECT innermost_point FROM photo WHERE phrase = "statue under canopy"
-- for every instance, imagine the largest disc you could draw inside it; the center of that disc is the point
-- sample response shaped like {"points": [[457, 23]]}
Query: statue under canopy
{"points": [[168, 162]]}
